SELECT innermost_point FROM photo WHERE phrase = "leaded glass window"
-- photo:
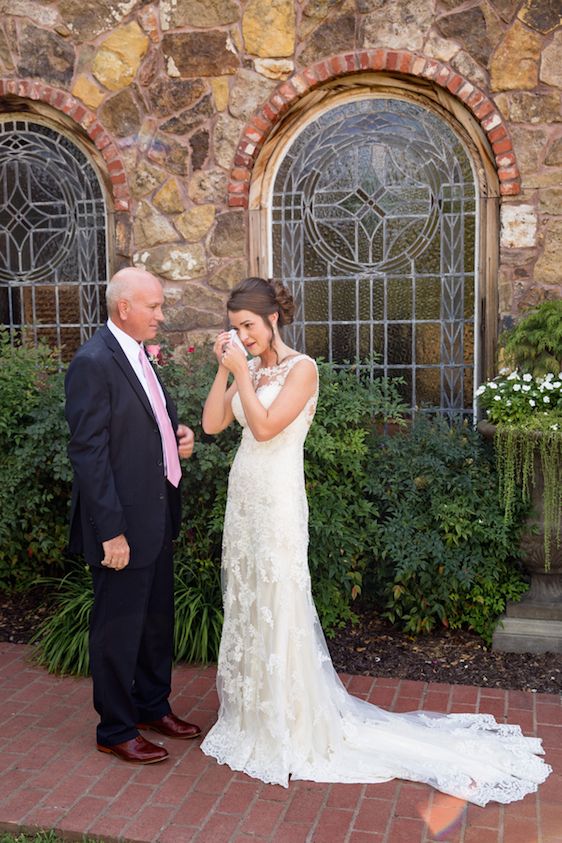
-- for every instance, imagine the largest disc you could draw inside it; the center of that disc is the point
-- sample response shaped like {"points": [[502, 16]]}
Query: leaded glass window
{"points": [[374, 230], [53, 252]]}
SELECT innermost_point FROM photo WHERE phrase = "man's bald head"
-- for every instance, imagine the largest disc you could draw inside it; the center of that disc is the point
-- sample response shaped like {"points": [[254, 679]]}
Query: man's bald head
{"points": [[134, 302], [125, 284]]}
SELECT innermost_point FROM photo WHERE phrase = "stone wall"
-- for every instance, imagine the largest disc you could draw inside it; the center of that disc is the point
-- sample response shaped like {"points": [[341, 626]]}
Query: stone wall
{"points": [[179, 96]]}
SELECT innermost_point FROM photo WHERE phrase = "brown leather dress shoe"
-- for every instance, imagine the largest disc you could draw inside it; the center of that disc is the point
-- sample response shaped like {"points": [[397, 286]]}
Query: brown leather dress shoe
{"points": [[136, 751], [172, 727]]}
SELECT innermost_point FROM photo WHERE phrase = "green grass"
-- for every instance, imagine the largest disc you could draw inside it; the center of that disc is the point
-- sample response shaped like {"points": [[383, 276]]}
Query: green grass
{"points": [[38, 837]]}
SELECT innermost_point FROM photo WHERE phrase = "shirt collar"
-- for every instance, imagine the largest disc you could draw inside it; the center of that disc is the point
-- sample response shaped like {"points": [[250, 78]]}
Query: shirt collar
{"points": [[130, 346]]}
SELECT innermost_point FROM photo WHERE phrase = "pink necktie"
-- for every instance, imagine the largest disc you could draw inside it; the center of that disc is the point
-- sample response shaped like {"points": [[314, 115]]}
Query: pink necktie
{"points": [[173, 469]]}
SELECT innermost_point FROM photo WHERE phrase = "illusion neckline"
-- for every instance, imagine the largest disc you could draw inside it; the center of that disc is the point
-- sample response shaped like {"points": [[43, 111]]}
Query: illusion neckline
{"points": [[278, 365]]}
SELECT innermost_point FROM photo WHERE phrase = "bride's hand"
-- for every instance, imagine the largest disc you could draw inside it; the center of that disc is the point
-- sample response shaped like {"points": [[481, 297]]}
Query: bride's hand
{"points": [[233, 359], [220, 344]]}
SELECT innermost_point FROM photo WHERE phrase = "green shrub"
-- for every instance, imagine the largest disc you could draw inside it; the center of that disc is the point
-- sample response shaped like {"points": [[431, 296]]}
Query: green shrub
{"points": [[35, 475], [445, 554], [417, 514], [534, 344], [343, 522]]}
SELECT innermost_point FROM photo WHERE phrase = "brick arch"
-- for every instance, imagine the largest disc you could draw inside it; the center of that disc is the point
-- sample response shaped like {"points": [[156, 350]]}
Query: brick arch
{"points": [[77, 111], [399, 61]]}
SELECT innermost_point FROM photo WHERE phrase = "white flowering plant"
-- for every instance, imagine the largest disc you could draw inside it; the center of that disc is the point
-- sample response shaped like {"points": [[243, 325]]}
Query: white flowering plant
{"points": [[522, 400]]}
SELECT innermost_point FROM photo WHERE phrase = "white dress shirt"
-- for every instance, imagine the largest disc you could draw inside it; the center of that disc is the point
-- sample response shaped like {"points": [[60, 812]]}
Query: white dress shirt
{"points": [[131, 350]]}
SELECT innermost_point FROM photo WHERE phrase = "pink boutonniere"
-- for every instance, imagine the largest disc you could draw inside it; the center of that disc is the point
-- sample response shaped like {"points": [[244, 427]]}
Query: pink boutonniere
{"points": [[154, 354]]}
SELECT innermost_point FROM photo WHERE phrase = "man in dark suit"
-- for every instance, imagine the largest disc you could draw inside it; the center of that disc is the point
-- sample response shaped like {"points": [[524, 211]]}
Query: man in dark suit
{"points": [[125, 445]]}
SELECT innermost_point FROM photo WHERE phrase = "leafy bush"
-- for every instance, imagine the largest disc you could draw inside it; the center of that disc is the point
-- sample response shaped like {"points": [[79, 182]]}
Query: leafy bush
{"points": [[417, 515], [445, 553], [534, 345], [35, 475], [343, 523]]}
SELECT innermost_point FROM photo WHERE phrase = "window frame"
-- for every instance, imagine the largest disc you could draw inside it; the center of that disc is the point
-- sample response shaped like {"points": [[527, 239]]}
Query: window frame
{"points": [[440, 102], [16, 108]]}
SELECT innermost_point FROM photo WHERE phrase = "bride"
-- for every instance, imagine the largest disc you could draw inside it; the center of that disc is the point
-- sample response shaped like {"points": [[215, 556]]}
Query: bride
{"points": [[283, 711]]}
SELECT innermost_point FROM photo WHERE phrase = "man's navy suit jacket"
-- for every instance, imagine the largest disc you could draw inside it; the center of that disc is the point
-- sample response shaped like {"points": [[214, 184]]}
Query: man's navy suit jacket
{"points": [[116, 453]]}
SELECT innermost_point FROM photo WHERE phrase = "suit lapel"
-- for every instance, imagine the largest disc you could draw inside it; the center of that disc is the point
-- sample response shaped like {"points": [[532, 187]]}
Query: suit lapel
{"points": [[121, 359]]}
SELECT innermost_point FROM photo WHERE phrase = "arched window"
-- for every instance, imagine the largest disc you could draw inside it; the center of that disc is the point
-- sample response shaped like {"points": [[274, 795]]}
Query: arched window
{"points": [[53, 236], [374, 222]]}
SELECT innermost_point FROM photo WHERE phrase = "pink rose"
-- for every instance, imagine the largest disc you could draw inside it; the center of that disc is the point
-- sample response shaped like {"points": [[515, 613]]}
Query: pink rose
{"points": [[154, 354]]}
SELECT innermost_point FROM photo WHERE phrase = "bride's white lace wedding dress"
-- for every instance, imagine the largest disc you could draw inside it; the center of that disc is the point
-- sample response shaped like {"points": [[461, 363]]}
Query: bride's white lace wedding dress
{"points": [[284, 712]]}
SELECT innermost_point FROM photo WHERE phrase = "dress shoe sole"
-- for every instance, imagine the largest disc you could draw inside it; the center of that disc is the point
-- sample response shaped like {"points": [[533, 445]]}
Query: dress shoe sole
{"points": [[110, 751], [167, 734]]}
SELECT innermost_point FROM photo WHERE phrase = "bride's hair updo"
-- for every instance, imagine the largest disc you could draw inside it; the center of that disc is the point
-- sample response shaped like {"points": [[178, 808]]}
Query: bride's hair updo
{"points": [[263, 298]]}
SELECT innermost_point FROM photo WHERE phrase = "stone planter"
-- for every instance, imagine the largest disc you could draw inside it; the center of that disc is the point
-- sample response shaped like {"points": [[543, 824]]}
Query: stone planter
{"points": [[535, 624]]}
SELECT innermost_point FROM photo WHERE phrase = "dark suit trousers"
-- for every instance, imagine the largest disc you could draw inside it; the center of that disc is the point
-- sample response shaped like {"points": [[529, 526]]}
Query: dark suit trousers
{"points": [[131, 644]]}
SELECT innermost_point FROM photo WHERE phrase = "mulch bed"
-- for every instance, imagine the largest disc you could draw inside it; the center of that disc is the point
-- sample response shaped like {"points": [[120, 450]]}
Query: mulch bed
{"points": [[22, 612], [372, 647]]}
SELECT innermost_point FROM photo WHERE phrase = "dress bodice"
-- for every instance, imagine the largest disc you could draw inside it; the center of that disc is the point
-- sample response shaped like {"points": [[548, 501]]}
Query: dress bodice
{"points": [[268, 383]]}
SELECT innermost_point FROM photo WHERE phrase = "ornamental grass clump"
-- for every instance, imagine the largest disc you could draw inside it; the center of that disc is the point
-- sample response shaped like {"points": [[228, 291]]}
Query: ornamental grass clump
{"points": [[526, 410]]}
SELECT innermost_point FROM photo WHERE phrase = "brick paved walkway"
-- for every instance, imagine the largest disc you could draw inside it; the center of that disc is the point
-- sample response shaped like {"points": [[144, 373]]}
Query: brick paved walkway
{"points": [[52, 777]]}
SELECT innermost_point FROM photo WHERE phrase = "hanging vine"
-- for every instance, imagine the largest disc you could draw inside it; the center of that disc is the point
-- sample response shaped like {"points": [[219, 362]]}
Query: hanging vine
{"points": [[517, 450]]}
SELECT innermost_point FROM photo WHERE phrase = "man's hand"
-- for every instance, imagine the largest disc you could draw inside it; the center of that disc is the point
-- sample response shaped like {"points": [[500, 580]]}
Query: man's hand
{"points": [[117, 553], [186, 440]]}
